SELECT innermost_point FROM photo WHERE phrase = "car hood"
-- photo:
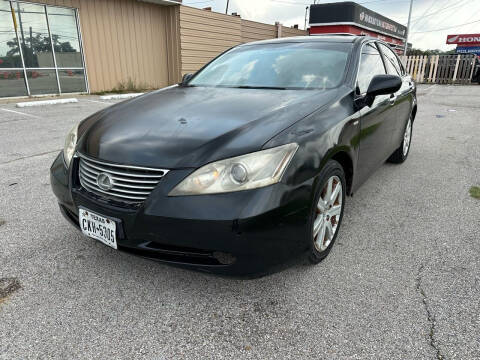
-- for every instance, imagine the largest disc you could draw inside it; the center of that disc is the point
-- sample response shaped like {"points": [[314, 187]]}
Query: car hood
{"points": [[181, 127]]}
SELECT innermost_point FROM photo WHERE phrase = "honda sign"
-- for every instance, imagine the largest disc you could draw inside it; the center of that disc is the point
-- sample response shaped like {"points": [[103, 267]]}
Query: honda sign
{"points": [[464, 39]]}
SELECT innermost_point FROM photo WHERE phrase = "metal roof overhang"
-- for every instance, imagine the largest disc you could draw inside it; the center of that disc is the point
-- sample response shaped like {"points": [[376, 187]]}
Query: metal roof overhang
{"points": [[163, 2]]}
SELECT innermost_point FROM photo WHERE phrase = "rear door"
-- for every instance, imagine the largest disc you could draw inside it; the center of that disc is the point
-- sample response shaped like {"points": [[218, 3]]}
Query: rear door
{"points": [[403, 98], [377, 121]]}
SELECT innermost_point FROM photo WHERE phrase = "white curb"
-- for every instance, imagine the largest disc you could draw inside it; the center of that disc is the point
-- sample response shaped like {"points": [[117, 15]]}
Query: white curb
{"points": [[120, 96], [46, 102]]}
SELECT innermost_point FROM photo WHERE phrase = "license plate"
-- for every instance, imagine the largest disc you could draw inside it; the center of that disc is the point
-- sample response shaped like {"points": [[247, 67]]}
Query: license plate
{"points": [[98, 227]]}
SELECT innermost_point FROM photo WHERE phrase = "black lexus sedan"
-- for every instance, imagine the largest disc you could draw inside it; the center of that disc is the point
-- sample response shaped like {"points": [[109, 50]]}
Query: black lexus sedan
{"points": [[247, 163]]}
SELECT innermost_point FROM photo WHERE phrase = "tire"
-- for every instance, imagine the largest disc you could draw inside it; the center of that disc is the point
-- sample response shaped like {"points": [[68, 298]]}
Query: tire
{"points": [[330, 176], [401, 154]]}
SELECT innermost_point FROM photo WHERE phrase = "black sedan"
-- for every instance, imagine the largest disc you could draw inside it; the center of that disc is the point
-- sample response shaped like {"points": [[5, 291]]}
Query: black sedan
{"points": [[246, 164]]}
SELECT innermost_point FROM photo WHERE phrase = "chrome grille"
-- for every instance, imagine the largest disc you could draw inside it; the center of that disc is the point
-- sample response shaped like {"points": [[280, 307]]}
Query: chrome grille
{"points": [[130, 183]]}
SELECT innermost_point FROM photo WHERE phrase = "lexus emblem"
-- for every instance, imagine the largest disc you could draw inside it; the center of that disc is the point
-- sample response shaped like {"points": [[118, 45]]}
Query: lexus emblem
{"points": [[104, 181]]}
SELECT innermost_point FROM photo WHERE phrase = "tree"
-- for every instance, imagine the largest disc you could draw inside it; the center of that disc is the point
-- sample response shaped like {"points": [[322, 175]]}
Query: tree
{"points": [[31, 46], [416, 52]]}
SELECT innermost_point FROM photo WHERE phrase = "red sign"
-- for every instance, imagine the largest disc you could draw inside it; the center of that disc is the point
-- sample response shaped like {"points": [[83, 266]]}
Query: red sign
{"points": [[464, 39]]}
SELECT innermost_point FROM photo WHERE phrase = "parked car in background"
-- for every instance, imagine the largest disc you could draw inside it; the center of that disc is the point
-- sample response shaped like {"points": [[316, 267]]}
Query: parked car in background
{"points": [[246, 164], [476, 71]]}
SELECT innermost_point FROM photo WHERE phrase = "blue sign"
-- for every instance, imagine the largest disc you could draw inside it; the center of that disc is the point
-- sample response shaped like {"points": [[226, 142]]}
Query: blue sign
{"points": [[468, 50]]}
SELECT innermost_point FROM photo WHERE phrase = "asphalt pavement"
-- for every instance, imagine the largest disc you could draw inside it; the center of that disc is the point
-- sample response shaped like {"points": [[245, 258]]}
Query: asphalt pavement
{"points": [[402, 282]]}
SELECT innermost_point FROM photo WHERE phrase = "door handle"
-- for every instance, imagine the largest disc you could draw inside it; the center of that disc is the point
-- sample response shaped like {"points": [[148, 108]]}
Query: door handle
{"points": [[392, 99]]}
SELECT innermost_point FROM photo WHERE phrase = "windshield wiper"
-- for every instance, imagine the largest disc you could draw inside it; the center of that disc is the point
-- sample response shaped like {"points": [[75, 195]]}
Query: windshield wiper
{"points": [[260, 87]]}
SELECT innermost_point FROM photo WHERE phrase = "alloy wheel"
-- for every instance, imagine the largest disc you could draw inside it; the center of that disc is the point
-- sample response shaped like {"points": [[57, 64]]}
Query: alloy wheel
{"points": [[328, 212], [407, 137]]}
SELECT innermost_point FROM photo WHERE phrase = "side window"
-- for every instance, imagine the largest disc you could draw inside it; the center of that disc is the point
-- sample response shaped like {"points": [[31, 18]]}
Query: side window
{"points": [[391, 60], [371, 64], [404, 72]]}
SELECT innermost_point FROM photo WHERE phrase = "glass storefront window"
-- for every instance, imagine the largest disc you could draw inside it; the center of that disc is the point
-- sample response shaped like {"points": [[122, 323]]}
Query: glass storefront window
{"points": [[12, 83], [42, 81], [34, 36], [9, 51], [63, 27], [43, 42], [72, 80]]}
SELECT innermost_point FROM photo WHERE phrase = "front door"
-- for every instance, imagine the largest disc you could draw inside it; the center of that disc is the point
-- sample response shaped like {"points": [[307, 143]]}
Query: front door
{"points": [[377, 121], [404, 96]]}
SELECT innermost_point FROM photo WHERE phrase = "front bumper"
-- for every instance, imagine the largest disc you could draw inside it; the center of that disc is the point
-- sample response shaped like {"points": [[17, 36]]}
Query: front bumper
{"points": [[242, 233]]}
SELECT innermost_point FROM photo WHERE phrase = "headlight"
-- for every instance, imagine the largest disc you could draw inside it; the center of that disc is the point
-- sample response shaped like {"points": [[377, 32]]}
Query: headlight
{"points": [[244, 172], [70, 143]]}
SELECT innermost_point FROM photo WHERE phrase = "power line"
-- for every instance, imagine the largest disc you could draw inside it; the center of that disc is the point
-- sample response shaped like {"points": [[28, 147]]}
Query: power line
{"points": [[445, 18], [421, 17], [458, 4], [418, 18], [472, 16], [446, 28]]}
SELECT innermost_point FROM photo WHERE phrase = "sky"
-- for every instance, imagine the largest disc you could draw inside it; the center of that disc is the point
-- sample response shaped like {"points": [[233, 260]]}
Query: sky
{"points": [[427, 15]]}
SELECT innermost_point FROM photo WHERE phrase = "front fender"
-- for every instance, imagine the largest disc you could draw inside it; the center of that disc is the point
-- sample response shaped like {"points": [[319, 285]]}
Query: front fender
{"points": [[321, 136]]}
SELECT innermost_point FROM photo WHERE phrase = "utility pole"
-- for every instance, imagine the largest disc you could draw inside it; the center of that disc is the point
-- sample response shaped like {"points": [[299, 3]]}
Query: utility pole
{"points": [[305, 25], [226, 10], [21, 24], [408, 28]]}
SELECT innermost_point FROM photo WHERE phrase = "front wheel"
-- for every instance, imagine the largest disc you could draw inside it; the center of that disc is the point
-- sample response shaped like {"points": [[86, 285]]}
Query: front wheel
{"points": [[400, 155], [327, 212]]}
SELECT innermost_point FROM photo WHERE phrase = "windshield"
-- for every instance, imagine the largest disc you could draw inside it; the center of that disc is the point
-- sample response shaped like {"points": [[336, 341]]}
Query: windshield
{"points": [[311, 65]]}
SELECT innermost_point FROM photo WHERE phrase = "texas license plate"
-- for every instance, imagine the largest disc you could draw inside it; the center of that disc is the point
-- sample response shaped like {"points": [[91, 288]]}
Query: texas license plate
{"points": [[98, 227]]}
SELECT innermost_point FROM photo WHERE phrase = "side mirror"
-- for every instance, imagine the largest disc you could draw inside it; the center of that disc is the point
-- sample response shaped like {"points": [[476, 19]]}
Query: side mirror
{"points": [[186, 78], [382, 85]]}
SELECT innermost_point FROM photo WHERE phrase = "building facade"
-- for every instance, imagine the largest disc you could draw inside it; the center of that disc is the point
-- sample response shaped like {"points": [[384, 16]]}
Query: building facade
{"points": [[64, 46], [81, 46], [352, 18]]}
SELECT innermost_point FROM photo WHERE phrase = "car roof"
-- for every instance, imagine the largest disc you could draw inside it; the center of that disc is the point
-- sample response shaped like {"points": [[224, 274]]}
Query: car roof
{"points": [[331, 38]]}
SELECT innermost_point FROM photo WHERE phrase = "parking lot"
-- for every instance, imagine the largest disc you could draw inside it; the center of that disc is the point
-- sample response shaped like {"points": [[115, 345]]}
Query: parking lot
{"points": [[402, 282]]}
